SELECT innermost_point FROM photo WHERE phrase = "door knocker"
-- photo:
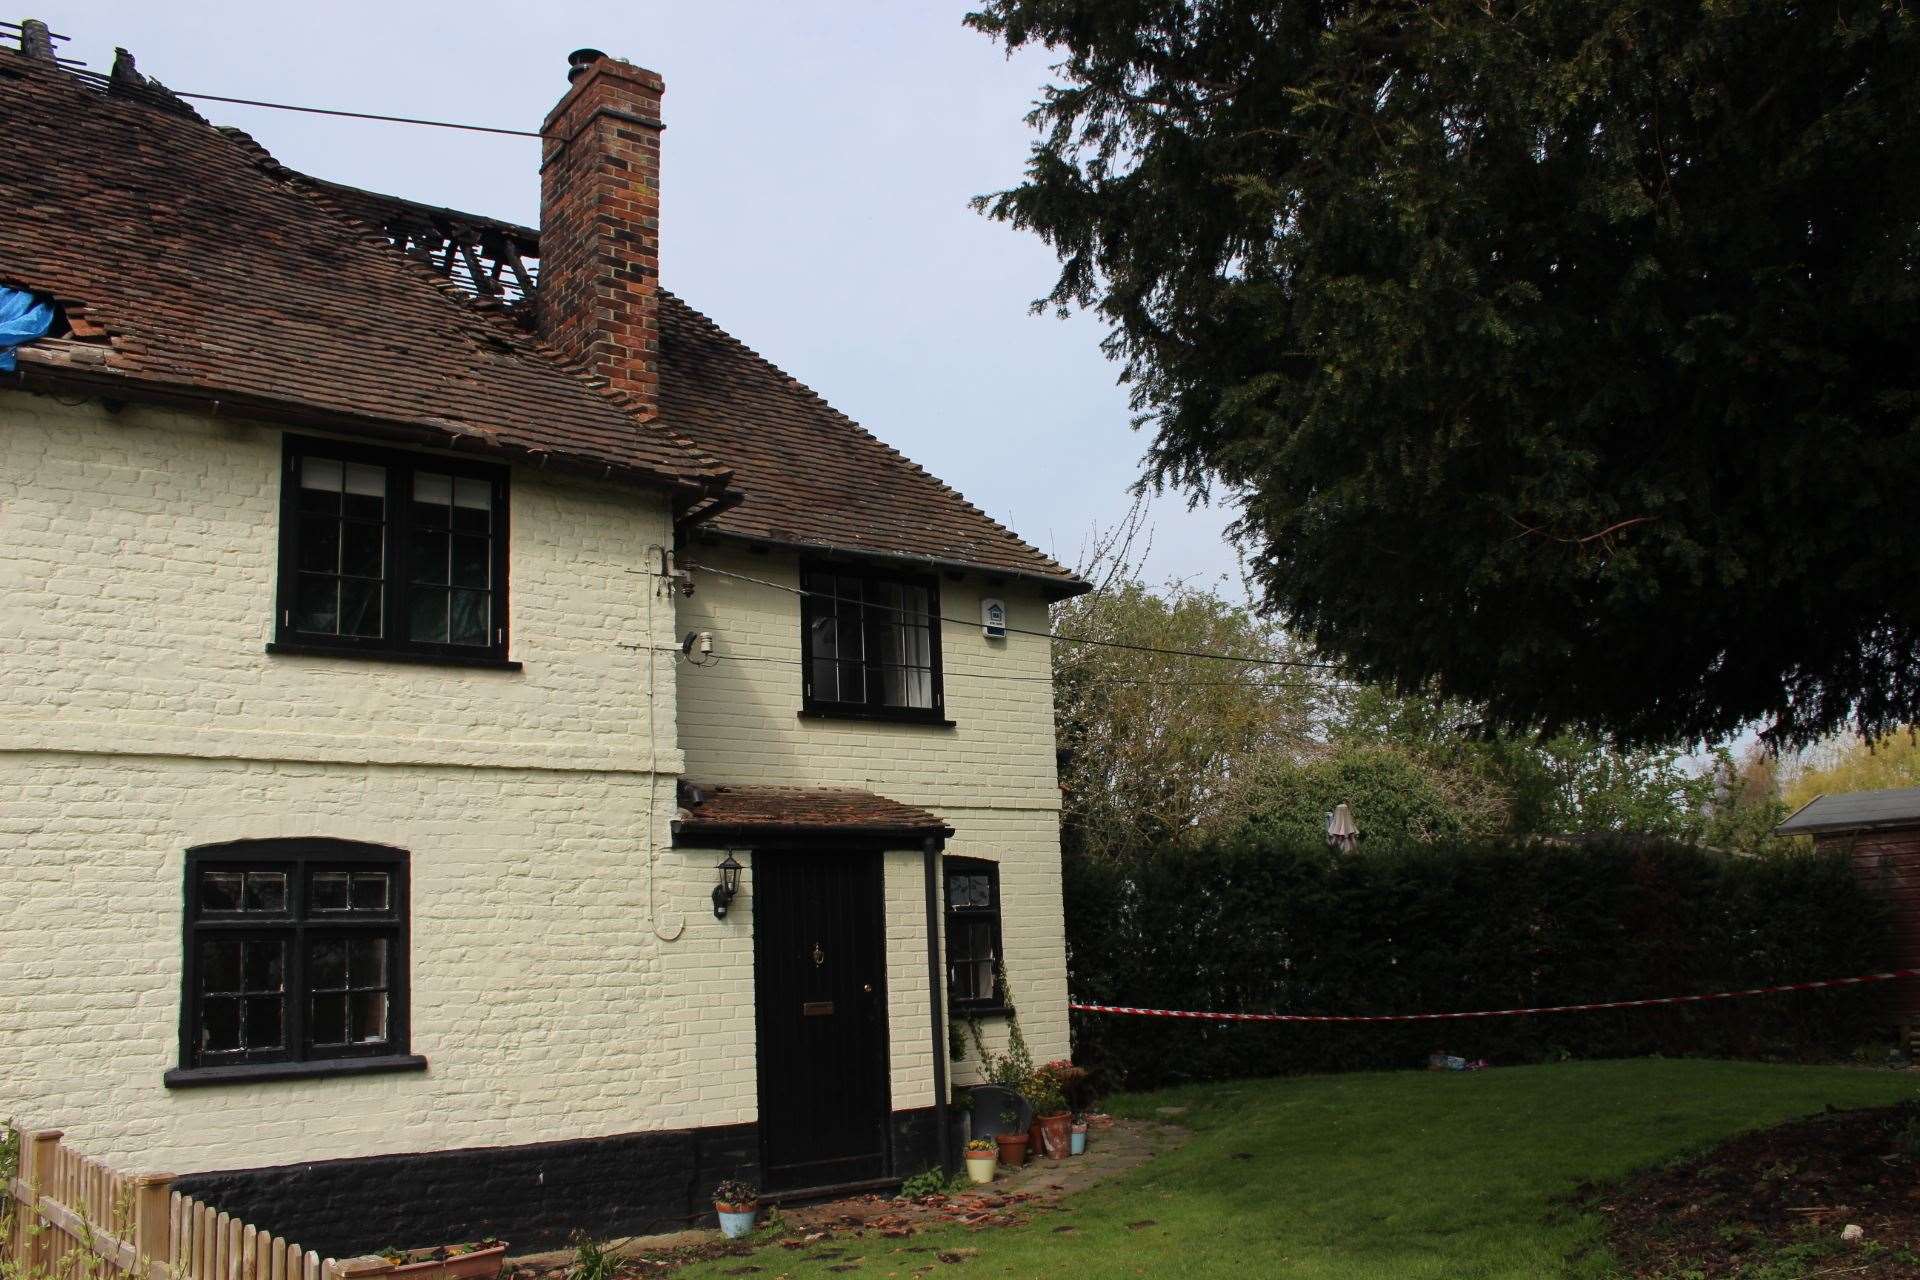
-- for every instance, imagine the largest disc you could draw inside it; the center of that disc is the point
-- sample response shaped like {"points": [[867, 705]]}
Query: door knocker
{"points": [[819, 956]]}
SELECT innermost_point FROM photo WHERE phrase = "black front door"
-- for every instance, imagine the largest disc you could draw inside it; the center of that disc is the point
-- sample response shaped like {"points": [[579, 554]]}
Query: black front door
{"points": [[820, 998]]}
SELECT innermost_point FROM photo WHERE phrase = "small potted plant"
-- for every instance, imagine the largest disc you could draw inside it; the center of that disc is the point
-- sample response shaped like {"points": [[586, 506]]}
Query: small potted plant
{"points": [[1051, 1119], [982, 1154], [736, 1202], [1079, 1147], [1013, 1145]]}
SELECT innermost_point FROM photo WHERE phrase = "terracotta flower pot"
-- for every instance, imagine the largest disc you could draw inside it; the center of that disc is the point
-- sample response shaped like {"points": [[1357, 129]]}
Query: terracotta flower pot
{"points": [[1013, 1149], [1056, 1134], [481, 1264]]}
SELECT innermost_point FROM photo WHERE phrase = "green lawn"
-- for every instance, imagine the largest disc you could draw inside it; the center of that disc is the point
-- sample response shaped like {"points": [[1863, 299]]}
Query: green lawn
{"points": [[1402, 1175]]}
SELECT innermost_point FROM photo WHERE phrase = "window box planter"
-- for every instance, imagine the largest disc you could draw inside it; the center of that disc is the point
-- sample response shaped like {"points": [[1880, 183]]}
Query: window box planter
{"points": [[450, 1262]]}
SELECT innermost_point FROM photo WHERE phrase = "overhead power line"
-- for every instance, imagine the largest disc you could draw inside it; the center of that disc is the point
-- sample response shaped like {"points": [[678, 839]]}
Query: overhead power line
{"points": [[1065, 637], [356, 115], [1169, 682]]}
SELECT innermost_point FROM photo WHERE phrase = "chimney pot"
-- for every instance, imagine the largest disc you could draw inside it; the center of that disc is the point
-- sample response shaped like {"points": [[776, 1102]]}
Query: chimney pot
{"points": [[579, 60], [36, 41]]}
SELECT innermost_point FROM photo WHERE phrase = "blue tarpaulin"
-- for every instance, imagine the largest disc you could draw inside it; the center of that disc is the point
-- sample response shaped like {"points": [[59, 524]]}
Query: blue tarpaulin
{"points": [[23, 318]]}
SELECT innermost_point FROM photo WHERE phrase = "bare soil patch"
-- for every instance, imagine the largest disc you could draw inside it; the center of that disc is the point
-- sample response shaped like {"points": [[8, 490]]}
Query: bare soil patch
{"points": [[1775, 1203]]}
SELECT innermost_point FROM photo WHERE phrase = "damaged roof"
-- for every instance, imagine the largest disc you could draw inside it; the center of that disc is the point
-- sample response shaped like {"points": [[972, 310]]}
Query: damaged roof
{"points": [[192, 267], [279, 295]]}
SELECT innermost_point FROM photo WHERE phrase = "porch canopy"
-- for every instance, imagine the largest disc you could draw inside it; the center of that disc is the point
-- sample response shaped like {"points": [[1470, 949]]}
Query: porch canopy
{"points": [[716, 816]]}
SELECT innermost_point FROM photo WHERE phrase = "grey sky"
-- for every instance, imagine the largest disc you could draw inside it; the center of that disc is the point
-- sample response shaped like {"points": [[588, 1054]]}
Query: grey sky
{"points": [[819, 156]]}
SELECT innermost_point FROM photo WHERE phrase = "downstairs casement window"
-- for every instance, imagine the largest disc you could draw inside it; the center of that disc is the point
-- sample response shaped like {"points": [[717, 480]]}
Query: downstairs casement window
{"points": [[295, 960], [388, 554], [871, 645], [973, 936]]}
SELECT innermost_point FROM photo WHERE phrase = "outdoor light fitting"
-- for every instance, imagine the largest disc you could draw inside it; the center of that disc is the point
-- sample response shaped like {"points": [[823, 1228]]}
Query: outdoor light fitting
{"points": [[1342, 834], [729, 885]]}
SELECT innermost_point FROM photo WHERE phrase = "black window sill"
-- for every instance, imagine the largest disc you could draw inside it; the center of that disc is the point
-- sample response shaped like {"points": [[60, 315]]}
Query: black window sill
{"points": [[299, 650], [982, 1010], [257, 1072], [879, 715]]}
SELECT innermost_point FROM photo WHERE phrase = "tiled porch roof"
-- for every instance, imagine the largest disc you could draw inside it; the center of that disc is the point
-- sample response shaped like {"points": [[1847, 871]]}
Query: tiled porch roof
{"points": [[744, 813]]}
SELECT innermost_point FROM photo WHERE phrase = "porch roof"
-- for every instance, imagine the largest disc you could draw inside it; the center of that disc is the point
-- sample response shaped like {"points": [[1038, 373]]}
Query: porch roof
{"points": [[711, 815]]}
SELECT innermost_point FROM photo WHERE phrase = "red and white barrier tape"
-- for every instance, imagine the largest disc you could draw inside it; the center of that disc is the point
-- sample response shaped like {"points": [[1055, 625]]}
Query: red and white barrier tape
{"points": [[1491, 1013]]}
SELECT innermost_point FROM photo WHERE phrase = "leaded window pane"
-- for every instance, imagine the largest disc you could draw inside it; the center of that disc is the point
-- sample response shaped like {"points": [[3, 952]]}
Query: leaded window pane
{"points": [[371, 890], [350, 984], [837, 639], [242, 1004], [906, 629], [224, 892], [973, 932], [341, 554], [451, 546], [329, 891]]}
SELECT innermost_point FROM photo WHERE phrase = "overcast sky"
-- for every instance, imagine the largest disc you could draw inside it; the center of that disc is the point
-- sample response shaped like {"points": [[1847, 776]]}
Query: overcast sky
{"points": [[819, 157]]}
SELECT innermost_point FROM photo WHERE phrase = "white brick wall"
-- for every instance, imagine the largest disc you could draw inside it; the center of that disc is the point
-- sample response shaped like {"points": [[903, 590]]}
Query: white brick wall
{"points": [[991, 776], [560, 988], [139, 715]]}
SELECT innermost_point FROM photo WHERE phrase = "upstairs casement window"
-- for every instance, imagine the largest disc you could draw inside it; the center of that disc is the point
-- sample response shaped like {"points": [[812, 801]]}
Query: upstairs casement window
{"points": [[390, 554], [295, 960], [871, 645], [973, 935]]}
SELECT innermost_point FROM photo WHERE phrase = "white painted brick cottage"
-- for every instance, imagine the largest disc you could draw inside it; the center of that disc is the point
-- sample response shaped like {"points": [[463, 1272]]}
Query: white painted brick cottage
{"points": [[393, 644]]}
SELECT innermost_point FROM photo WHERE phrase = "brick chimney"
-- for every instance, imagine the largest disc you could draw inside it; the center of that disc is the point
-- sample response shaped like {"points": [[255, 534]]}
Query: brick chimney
{"points": [[600, 223]]}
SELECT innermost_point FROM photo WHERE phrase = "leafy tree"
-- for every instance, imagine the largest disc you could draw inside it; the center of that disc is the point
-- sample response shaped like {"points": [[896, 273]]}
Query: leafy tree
{"points": [[1568, 784], [1562, 354], [1150, 741], [1854, 764], [1746, 805], [1397, 799]]}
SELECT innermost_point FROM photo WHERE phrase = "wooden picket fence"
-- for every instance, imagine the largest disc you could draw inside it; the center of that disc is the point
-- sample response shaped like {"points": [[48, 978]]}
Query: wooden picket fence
{"points": [[73, 1218]]}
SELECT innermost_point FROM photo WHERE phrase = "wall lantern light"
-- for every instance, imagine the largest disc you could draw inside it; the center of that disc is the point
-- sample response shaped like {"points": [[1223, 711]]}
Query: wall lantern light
{"points": [[729, 885]]}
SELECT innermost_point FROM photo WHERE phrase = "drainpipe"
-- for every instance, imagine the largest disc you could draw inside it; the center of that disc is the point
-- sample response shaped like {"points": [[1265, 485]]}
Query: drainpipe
{"points": [[935, 985]]}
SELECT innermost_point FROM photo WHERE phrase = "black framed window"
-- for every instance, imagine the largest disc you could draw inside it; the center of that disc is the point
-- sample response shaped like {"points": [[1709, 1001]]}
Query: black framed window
{"points": [[295, 953], [871, 644], [973, 935], [391, 554]]}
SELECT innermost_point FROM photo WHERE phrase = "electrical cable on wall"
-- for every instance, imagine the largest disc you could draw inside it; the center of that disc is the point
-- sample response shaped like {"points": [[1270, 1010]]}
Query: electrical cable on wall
{"points": [[670, 928], [1062, 637]]}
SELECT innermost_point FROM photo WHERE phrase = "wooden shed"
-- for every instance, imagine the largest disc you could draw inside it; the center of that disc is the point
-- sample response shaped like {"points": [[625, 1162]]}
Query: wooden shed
{"points": [[1880, 832]]}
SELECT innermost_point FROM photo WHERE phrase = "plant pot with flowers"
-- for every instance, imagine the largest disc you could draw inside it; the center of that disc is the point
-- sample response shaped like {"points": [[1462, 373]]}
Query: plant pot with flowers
{"points": [[1051, 1119], [982, 1154], [736, 1203]]}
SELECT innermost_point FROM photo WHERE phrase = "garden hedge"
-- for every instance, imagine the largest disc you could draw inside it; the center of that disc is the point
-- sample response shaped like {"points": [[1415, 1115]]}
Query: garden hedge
{"points": [[1259, 927]]}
